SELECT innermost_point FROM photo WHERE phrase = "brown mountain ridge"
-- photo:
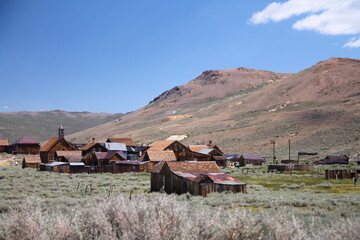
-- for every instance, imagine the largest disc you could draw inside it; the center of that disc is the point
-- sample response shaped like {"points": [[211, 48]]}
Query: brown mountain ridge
{"points": [[243, 109]]}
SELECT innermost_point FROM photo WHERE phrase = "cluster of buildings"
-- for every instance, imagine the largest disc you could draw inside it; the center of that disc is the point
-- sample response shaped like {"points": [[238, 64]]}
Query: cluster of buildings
{"points": [[174, 167]]}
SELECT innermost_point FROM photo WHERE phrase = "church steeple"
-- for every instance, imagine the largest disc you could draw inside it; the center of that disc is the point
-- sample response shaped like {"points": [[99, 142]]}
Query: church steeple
{"points": [[61, 131]]}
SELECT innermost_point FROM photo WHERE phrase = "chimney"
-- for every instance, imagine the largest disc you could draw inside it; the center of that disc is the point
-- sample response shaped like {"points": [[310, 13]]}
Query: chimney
{"points": [[93, 139], [210, 142]]}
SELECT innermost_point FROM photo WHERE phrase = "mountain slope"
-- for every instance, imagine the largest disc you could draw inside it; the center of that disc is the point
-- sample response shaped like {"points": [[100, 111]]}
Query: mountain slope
{"points": [[43, 125], [243, 109]]}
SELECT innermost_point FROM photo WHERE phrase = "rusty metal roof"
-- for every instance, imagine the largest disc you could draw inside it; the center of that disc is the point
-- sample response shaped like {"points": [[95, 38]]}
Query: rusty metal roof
{"points": [[25, 140], [71, 156], [201, 166]]}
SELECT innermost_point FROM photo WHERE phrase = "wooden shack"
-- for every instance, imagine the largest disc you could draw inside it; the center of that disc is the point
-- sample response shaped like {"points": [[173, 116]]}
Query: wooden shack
{"points": [[24, 145], [340, 159], [47, 152], [31, 161], [130, 166], [105, 158], [182, 152], [4, 145], [197, 178], [341, 173], [64, 167], [251, 159]]}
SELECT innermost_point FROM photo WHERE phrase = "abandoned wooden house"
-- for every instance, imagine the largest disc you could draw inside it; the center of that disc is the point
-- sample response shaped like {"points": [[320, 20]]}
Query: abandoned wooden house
{"points": [[182, 152], [4, 144], [24, 145], [341, 173], [154, 157], [31, 161], [47, 152], [105, 158], [67, 156], [91, 147], [251, 159], [198, 148], [215, 155], [197, 178]]}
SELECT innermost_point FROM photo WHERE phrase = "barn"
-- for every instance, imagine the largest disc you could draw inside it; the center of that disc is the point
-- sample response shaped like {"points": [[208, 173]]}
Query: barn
{"points": [[197, 178]]}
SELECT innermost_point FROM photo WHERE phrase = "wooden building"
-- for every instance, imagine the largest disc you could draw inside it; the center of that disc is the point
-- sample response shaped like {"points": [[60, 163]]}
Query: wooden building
{"points": [[24, 145], [4, 145], [215, 155], [106, 158], [197, 178], [198, 148], [64, 167], [341, 159], [47, 152], [182, 152], [251, 159], [31, 161], [93, 146], [131, 166], [341, 173], [154, 157]]}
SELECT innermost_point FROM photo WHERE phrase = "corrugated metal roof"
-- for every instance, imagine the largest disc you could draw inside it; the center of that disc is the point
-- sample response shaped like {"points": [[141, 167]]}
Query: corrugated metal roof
{"points": [[218, 178], [115, 146], [77, 164], [53, 164], [206, 150], [25, 140]]}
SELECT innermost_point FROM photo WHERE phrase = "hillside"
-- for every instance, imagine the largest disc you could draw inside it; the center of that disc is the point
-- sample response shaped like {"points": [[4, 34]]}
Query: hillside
{"points": [[244, 109], [43, 125]]}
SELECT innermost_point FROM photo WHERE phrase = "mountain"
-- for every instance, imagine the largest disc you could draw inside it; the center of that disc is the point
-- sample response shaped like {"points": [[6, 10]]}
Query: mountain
{"points": [[43, 125], [243, 109]]}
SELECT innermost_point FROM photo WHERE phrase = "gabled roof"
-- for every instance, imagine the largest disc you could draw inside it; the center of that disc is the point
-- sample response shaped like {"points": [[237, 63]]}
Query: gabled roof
{"points": [[4, 142], [252, 157], [25, 140], [198, 148], [200, 167], [90, 145], [52, 142], [71, 156], [109, 155], [128, 141], [115, 146], [218, 178], [338, 157], [161, 156], [32, 159], [161, 145]]}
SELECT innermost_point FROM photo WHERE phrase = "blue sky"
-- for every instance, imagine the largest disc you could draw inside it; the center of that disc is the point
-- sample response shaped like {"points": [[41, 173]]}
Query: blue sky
{"points": [[117, 55]]}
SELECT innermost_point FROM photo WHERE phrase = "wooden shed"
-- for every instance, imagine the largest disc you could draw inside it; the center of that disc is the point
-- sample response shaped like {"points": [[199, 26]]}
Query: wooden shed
{"points": [[197, 178], [47, 152], [64, 167], [251, 159], [340, 159], [24, 145], [341, 173], [154, 157], [130, 166], [31, 161]]}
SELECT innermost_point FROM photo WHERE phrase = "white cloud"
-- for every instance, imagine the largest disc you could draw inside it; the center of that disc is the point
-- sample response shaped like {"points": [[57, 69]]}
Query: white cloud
{"points": [[354, 42], [332, 17], [5, 107]]}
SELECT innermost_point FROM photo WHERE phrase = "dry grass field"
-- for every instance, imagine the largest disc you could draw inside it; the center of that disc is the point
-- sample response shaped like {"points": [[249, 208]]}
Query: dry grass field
{"points": [[297, 205]]}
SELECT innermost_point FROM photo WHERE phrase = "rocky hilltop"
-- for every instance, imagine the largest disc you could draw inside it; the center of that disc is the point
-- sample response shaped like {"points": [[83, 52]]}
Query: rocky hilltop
{"points": [[243, 109]]}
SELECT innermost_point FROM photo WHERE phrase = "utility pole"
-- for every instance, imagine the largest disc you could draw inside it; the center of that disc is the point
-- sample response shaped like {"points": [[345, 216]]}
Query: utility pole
{"points": [[289, 149], [273, 143]]}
